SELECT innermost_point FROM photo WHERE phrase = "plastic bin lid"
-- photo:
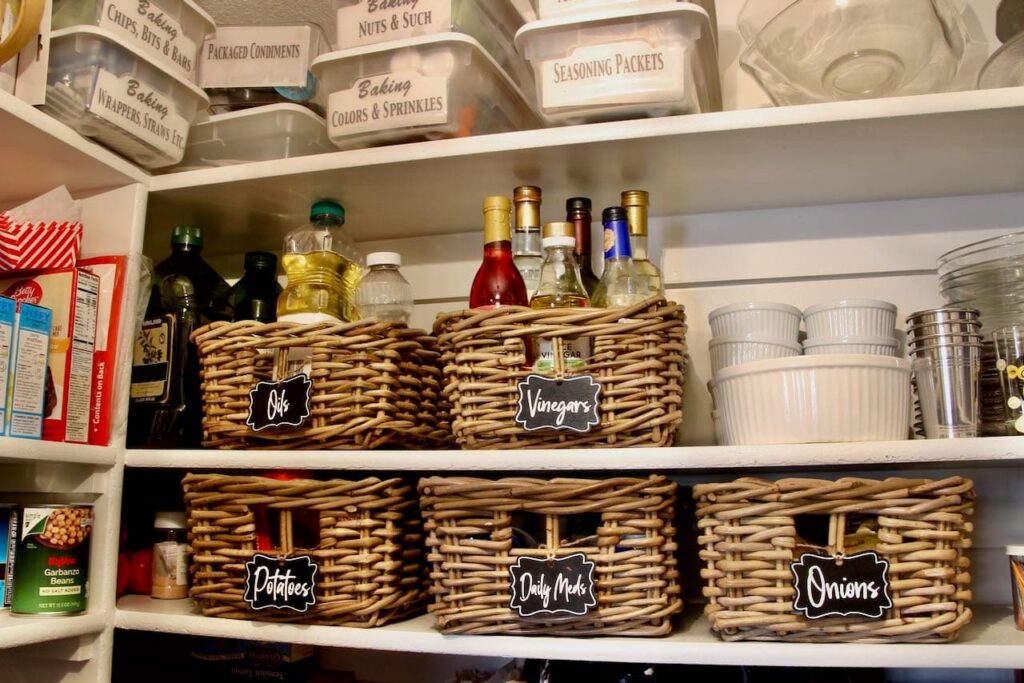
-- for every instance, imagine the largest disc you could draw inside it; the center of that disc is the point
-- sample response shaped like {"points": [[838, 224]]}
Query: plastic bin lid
{"points": [[320, 63], [203, 14], [107, 37], [296, 110], [707, 43]]}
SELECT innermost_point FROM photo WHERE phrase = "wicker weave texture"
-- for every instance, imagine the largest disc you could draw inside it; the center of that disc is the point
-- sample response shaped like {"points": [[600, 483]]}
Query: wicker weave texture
{"points": [[638, 356], [374, 384], [471, 543], [749, 534], [369, 544]]}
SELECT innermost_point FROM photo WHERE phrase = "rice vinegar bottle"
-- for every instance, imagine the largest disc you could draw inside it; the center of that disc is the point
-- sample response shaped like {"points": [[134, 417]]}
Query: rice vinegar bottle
{"points": [[560, 286], [323, 267]]}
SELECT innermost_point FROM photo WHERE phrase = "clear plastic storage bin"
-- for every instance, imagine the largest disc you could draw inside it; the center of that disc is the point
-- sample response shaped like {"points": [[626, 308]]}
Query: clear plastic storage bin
{"points": [[441, 86], [493, 23], [276, 131], [171, 32], [651, 61], [550, 9], [111, 91]]}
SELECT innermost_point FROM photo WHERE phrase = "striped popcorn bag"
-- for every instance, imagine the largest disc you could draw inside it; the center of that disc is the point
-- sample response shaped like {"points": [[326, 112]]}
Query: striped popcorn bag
{"points": [[43, 234]]}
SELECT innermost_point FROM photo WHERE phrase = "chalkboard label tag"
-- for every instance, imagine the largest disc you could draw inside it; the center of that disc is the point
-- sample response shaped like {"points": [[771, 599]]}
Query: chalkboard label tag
{"points": [[562, 586], [279, 404], [547, 403], [280, 583], [856, 586]]}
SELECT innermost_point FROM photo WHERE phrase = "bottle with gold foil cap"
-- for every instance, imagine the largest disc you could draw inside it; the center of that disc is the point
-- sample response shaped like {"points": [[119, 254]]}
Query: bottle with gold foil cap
{"points": [[560, 287], [497, 281], [636, 204], [526, 246]]}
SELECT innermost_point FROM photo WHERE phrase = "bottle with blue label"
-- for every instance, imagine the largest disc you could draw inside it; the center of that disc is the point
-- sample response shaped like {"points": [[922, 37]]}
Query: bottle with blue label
{"points": [[620, 285]]}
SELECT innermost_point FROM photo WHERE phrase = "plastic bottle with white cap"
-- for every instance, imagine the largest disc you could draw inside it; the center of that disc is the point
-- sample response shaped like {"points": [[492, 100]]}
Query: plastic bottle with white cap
{"points": [[170, 556], [383, 293]]}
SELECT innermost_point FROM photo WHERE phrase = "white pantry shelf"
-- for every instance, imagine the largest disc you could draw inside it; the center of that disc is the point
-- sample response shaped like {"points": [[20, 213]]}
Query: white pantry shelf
{"points": [[31, 450], [17, 631], [41, 153], [991, 641], [1007, 451], [938, 145]]}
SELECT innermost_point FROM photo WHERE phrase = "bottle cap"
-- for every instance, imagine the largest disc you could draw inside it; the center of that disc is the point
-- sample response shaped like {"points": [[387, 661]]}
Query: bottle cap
{"points": [[384, 258], [526, 193], [327, 207], [497, 203], [613, 213], [260, 259], [187, 235], [559, 229], [169, 520], [636, 198], [558, 241], [577, 204]]}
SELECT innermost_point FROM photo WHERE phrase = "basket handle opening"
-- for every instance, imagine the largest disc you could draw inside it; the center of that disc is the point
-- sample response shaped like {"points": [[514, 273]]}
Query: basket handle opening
{"points": [[284, 531]]}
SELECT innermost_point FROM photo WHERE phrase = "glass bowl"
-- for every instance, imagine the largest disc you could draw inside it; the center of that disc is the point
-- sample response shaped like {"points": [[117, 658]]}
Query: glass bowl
{"points": [[830, 50], [1005, 68]]}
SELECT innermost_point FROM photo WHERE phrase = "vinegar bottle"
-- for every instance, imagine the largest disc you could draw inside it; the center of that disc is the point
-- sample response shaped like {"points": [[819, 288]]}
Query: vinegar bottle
{"points": [[620, 284], [497, 281], [560, 287]]}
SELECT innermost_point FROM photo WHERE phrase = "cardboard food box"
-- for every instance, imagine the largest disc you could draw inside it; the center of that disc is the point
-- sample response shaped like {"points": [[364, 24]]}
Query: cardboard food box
{"points": [[111, 271], [8, 310], [72, 295], [28, 371]]}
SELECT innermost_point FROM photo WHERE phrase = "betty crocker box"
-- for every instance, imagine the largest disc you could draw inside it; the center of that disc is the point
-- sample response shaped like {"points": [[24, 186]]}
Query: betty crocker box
{"points": [[72, 295], [111, 271]]}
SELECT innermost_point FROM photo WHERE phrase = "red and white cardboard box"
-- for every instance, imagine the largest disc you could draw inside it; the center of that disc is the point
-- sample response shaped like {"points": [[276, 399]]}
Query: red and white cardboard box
{"points": [[38, 246], [111, 271], [72, 295]]}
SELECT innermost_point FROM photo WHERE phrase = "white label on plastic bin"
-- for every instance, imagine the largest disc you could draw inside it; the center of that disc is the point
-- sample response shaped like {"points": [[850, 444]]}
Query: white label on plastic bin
{"points": [[614, 73], [138, 109], [396, 100], [257, 57], [373, 21], [150, 27]]}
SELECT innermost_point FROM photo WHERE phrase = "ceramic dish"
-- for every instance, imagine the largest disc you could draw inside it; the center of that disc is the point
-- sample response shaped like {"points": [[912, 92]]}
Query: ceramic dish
{"points": [[850, 318], [761, 319], [872, 346], [729, 351]]}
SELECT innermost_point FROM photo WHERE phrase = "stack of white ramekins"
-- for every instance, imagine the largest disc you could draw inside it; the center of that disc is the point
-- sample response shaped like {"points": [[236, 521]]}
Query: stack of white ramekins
{"points": [[851, 384], [751, 331]]}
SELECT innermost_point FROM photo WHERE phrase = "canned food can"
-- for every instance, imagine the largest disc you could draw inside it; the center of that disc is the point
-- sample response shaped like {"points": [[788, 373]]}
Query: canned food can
{"points": [[8, 538], [51, 575]]}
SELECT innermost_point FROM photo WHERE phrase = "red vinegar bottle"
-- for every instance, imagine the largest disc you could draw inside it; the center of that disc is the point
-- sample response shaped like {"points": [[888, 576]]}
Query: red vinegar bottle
{"points": [[498, 281]]}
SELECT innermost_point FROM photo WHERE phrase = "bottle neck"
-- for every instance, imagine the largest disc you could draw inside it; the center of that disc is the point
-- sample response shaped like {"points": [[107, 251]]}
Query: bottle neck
{"points": [[527, 242], [581, 221], [499, 249], [384, 267], [639, 243], [260, 273]]}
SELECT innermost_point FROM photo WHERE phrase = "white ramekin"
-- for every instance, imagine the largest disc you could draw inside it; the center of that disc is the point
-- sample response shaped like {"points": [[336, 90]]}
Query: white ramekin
{"points": [[813, 399], [850, 318], [729, 351], [760, 319], [873, 346]]}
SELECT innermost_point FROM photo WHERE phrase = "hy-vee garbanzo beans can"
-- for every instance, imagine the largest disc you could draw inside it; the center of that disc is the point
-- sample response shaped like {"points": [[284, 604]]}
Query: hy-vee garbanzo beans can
{"points": [[51, 570], [8, 537]]}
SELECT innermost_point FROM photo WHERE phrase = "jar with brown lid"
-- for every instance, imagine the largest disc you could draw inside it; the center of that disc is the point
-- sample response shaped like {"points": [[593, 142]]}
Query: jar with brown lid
{"points": [[170, 556]]}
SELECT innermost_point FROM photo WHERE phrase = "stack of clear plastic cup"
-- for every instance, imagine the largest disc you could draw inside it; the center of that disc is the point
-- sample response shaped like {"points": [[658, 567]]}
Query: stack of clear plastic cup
{"points": [[945, 346]]}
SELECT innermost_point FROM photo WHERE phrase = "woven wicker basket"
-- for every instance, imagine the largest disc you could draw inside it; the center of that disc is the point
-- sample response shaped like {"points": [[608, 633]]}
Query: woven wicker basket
{"points": [[470, 544], [368, 545], [374, 384], [638, 356], [750, 532]]}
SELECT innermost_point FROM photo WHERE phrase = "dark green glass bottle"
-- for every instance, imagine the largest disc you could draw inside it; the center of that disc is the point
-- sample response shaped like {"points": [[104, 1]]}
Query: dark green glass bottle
{"points": [[255, 294]]}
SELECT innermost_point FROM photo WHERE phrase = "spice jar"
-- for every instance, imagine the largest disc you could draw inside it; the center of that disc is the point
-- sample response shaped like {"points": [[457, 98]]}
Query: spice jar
{"points": [[170, 556]]}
